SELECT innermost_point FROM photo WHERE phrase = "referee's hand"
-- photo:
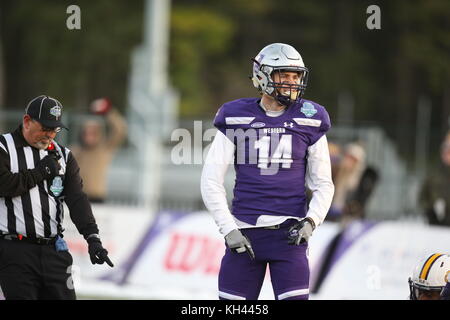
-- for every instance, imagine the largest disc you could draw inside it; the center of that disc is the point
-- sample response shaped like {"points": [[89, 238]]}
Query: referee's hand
{"points": [[97, 253], [48, 166]]}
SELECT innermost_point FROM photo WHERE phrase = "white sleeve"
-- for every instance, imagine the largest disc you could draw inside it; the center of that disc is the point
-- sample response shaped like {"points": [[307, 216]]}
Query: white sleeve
{"points": [[220, 155], [319, 181]]}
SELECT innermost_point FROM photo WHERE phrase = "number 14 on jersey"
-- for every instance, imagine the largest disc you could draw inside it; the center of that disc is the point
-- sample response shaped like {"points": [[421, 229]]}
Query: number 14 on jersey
{"points": [[282, 153]]}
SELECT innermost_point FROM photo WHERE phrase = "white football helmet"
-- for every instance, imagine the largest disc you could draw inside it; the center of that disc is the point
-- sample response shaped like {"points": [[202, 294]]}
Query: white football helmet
{"points": [[431, 274], [277, 57]]}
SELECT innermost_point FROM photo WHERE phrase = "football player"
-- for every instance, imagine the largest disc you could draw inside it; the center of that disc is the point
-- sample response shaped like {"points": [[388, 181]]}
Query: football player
{"points": [[430, 278], [278, 145]]}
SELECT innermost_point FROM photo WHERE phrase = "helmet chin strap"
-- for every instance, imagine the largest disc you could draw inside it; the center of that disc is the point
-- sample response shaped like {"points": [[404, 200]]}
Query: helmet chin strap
{"points": [[282, 99]]}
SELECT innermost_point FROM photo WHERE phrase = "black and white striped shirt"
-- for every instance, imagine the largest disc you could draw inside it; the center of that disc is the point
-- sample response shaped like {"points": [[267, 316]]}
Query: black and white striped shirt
{"points": [[26, 207]]}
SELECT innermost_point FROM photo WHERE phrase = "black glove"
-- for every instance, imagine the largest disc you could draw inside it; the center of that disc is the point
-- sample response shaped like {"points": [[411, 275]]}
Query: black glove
{"points": [[48, 167], [301, 231], [97, 253]]}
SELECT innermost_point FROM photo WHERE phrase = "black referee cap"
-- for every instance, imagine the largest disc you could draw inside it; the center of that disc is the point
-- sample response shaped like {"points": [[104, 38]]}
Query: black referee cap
{"points": [[46, 110]]}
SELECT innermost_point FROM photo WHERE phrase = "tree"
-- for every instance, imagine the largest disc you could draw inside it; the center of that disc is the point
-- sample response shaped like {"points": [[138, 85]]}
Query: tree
{"points": [[43, 56]]}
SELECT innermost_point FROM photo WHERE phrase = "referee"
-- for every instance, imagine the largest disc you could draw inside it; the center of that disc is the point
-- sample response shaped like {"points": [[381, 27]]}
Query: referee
{"points": [[37, 175]]}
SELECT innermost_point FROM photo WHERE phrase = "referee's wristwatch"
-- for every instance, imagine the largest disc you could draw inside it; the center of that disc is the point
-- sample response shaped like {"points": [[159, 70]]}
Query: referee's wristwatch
{"points": [[94, 235], [97, 253]]}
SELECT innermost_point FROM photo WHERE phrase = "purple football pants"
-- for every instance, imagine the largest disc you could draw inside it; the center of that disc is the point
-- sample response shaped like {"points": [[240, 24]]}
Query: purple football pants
{"points": [[242, 278]]}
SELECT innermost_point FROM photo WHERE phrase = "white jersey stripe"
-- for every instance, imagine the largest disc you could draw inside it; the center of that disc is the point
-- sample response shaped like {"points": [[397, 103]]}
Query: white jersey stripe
{"points": [[3, 208], [239, 120], [20, 219], [17, 201], [3, 217], [34, 194], [308, 122], [14, 163], [230, 296], [293, 293], [52, 202]]}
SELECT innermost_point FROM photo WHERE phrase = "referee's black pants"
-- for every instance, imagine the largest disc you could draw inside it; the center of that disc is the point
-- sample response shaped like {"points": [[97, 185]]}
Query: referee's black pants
{"points": [[31, 271]]}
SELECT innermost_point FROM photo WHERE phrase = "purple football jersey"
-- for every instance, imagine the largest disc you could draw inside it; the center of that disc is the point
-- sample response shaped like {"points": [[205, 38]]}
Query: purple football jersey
{"points": [[270, 156]]}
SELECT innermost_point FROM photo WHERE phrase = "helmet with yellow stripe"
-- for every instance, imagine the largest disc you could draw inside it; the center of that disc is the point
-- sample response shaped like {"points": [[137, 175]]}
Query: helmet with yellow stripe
{"points": [[430, 277]]}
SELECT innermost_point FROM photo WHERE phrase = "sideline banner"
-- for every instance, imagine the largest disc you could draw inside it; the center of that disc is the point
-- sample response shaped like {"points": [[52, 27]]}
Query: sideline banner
{"points": [[176, 255], [121, 230], [375, 261]]}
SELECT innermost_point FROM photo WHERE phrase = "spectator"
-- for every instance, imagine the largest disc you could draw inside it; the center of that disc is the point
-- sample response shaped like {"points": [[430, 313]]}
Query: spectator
{"points": [[354, 184], [435, 192], [335, 159], [96, 148]]}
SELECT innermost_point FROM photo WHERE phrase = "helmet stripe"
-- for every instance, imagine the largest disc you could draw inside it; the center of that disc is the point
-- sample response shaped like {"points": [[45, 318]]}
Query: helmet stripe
{"points": [[427, 266]]}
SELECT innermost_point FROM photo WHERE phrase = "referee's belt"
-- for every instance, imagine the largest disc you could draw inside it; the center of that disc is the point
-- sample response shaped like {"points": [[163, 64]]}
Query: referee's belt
{"points": [[19, 237]]}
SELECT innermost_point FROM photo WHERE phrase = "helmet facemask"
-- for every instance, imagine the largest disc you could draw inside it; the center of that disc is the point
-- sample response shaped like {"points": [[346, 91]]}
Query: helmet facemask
{"points": [[430, 277], [284, 93], [415, 289], [289, 93]]}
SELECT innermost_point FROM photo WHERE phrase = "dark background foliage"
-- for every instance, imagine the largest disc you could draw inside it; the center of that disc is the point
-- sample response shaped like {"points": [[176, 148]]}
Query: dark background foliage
{"points": [[384, 72]]}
